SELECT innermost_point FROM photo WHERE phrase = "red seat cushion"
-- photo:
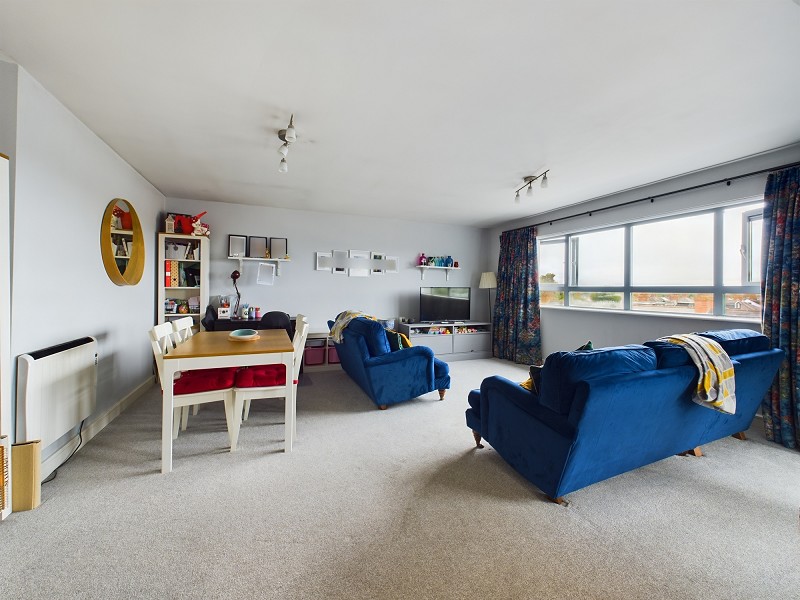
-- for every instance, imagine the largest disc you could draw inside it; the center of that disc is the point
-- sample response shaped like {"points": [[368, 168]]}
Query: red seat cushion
{"points": [[261, 376], [205, 380]]}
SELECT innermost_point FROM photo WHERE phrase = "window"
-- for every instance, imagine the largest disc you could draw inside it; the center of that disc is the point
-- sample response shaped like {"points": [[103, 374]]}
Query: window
{"points": [[706, 262], [552, 260]]}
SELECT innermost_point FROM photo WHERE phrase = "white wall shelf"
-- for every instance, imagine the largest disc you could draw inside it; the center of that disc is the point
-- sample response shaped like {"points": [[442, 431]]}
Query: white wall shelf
{"points": [[423, 268], [276, 261]]}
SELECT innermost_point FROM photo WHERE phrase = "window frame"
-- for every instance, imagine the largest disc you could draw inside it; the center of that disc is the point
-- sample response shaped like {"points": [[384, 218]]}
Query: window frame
{"points": [[717, 288]]}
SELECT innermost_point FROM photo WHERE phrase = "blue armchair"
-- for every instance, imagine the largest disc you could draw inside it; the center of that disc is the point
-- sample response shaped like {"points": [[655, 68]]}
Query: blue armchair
{"points": [[388, 377]]}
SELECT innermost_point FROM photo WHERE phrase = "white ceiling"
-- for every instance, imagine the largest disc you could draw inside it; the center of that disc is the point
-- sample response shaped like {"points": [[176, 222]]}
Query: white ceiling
{"points": [[417, 109]]}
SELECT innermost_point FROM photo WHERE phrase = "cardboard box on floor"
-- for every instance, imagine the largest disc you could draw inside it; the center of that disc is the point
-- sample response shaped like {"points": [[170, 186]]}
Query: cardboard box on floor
{"points": [[5, 477], [26, 475]]}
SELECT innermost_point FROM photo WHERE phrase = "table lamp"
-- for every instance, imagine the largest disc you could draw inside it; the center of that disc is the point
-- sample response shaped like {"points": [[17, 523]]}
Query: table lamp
{"points": [[488, 282]]}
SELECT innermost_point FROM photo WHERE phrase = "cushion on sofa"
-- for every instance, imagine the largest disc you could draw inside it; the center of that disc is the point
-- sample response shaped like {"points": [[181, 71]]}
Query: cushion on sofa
{"points": [[738, 341], [669, 354], [373, 333], [563, 370]]}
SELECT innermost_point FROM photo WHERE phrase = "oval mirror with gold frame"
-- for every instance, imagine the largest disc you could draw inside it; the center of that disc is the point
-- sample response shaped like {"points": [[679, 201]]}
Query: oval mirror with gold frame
{"points": [[122, 243]]}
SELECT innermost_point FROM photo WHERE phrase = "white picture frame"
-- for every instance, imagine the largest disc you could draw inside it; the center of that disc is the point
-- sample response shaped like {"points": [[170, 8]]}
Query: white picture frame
{"points": [[339, 258], [359, 257], [396, 267], [324, 261], [376, 255], [266, 274]]}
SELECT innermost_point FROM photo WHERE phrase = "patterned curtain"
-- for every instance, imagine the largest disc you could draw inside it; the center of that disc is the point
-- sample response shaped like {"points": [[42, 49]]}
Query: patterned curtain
{"points": [[780, 259], [516, 312]]}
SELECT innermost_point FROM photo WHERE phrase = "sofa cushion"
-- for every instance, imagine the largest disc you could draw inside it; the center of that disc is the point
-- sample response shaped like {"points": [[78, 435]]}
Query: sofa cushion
{"points": [[373, 333], [563, 370], [395, 341], [669, 354], [738, 341]]}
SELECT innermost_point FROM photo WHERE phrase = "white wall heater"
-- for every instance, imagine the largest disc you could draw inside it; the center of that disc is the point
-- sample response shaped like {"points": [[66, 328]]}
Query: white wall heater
{"points": [[56, 390]]}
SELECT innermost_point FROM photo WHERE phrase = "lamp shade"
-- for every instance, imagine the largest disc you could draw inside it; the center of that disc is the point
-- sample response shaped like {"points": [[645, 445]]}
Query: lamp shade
{"points": [[488, 280]]}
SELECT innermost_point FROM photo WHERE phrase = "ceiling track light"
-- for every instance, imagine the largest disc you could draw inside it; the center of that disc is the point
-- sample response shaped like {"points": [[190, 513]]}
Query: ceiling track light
{"points": [[287, 136], [528, 183]]}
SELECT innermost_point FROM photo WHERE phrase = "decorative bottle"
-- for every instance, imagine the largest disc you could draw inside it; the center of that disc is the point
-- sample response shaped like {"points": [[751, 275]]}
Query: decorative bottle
{"points": [[448, 262], [422, 260]]}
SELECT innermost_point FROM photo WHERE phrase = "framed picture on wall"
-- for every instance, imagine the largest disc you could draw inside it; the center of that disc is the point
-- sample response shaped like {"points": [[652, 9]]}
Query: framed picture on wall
{"points": [[377, 270], [266, 274], [237, 245], [340, 262], [362, 257], [324, 261], [278, 247], [393, 262], [257, 247]]}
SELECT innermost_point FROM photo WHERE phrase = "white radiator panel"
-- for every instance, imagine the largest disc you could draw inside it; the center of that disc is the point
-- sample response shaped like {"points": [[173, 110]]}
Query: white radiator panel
{"points": [[56, 390]]}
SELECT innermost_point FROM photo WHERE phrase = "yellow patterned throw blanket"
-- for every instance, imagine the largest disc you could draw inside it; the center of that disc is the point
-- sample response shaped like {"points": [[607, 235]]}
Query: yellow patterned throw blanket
{"points": [[715, 384], [343, 319]]}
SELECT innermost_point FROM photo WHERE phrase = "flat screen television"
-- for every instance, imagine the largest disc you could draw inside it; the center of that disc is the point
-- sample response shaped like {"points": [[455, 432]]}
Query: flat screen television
{"points": [[444, 304]]}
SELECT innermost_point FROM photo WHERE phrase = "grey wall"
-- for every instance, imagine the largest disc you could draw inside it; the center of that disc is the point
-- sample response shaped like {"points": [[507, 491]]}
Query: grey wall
{"points": [[65, 177], [568, 328], [321, 295]]}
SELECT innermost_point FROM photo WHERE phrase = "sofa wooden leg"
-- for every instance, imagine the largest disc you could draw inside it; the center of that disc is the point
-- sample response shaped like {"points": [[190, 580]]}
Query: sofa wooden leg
{"points": [[477, 437], [441, 394], [740, 436], [561, 501], [382, 407], [693, 452]]}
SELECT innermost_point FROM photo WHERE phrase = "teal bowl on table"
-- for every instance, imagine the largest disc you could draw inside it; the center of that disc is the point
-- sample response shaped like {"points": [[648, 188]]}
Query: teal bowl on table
{"points": [[243, 334]]}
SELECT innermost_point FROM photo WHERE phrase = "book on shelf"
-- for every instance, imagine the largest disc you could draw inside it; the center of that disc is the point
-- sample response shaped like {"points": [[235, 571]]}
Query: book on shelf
{"points": [[175, 276]]}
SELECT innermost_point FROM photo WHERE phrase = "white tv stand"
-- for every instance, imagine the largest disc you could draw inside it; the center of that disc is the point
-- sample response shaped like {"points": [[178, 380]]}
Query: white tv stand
{"points": [[451, 340]]}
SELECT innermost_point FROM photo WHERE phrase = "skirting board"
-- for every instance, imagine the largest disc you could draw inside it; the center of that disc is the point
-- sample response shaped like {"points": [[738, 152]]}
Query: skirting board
{"points": [[92, 429]]}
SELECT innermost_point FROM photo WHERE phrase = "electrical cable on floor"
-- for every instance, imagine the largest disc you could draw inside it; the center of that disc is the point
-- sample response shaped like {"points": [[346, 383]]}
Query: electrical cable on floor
{"points": [[80, 443]]}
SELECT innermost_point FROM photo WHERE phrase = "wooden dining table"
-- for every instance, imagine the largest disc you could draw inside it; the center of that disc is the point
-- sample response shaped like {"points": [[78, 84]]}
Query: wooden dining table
{"points": [[215, 349]]}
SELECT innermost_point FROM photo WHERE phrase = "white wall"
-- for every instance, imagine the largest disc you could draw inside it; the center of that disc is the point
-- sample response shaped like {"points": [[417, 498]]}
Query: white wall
{"points": [[568, 328], [321, 295], [65, 177], [8, 142]]}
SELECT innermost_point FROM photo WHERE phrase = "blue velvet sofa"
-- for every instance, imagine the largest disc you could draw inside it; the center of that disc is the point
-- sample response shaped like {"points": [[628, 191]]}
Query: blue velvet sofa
{"points": [[387, 376], [604, 412]]}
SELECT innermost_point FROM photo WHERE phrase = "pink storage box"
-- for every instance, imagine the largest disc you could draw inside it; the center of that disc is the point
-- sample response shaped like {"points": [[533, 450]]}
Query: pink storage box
{"points": [[315, 355], [333, 356]]}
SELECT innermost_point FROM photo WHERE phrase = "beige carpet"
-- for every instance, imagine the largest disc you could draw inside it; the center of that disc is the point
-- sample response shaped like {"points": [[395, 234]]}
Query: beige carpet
{"points": [[394, 504]]}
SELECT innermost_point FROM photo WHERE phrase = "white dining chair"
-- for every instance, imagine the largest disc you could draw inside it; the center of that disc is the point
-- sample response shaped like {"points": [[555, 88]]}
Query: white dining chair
{"points": [[269, 381], [194, 387], [182, 330]]}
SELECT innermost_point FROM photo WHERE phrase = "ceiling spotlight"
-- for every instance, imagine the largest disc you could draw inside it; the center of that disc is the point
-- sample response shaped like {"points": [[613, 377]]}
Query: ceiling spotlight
{"points": [[291, 136], [528, 183], [287, 136]]}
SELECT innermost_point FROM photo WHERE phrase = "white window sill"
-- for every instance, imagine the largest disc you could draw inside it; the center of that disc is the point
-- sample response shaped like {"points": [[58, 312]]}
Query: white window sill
{"points": [[642, 313]]}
